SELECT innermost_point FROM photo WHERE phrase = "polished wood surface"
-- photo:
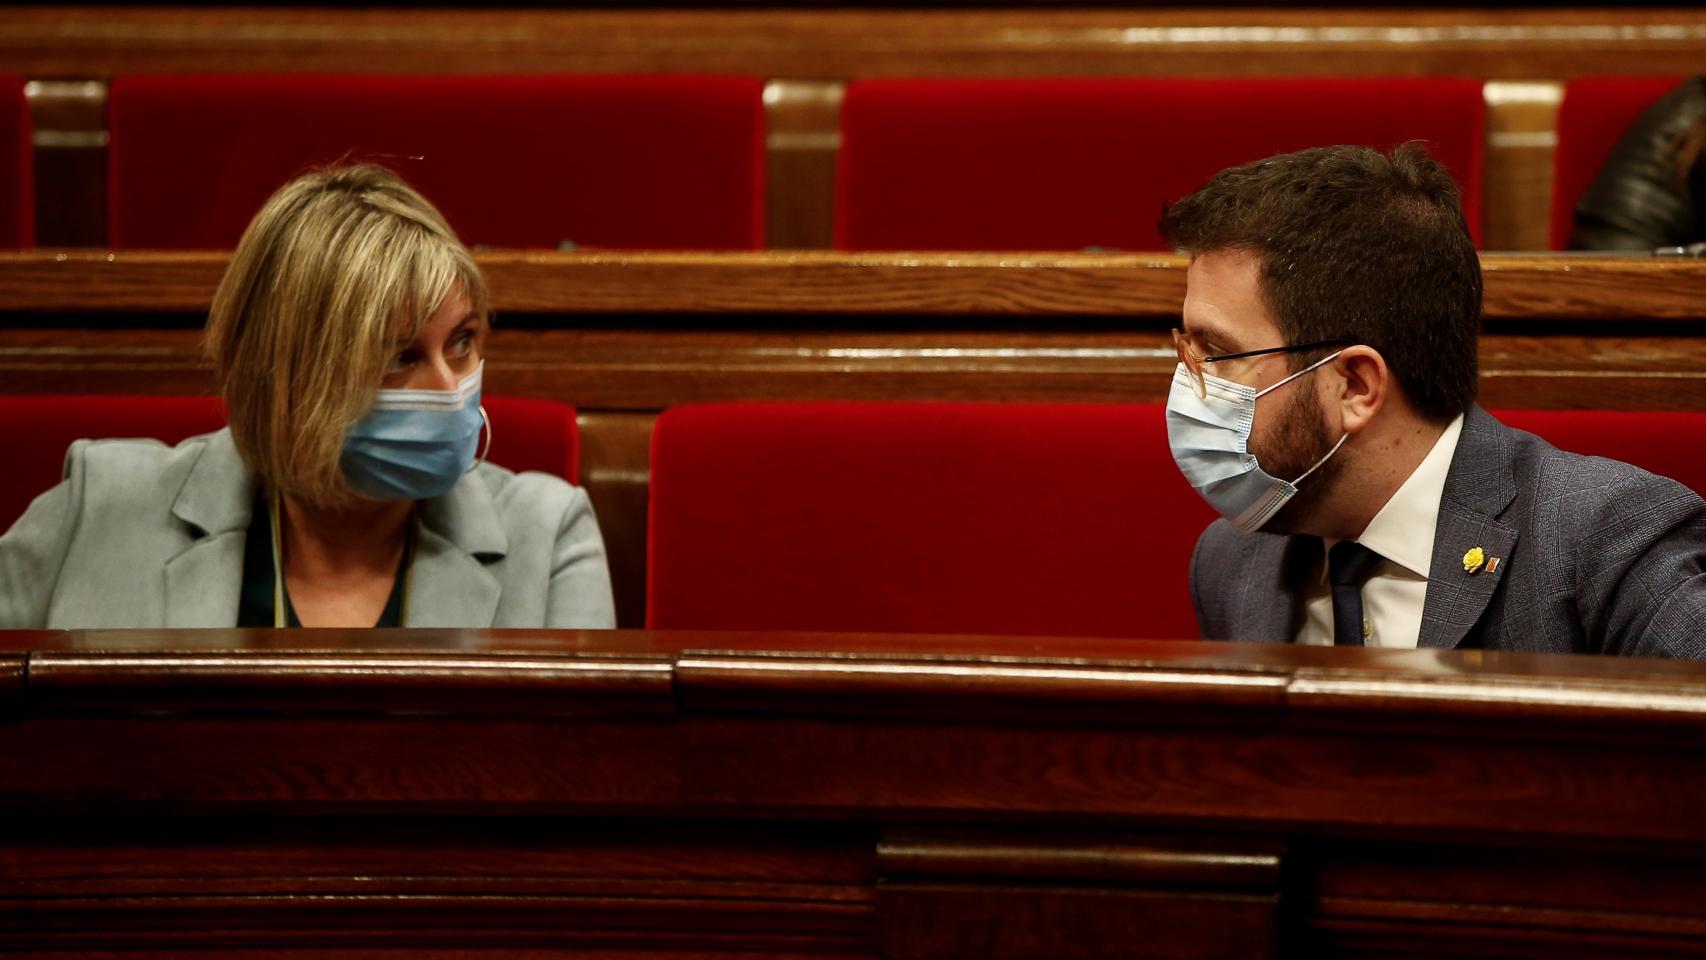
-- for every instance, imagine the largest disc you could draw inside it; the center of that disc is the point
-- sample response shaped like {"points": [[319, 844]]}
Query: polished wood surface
{"points": [[1552, 287], [72, 42], [729, 794]]}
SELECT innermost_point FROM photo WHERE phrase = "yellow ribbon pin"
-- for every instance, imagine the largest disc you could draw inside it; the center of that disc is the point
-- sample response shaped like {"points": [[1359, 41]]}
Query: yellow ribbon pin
{"points": [[1473, 559]]}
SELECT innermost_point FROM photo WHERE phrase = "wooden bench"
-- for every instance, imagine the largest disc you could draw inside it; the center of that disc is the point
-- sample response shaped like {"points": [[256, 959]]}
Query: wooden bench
{"points": [[621, 337], [1523, 54]]}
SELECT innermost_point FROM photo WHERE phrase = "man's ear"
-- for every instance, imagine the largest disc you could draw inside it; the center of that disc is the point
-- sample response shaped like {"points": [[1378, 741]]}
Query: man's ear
{"points": [[1366, 385]]}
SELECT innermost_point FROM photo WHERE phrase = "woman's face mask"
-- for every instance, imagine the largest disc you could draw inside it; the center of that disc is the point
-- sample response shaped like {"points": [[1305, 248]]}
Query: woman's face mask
{"points": [[416, 444]]}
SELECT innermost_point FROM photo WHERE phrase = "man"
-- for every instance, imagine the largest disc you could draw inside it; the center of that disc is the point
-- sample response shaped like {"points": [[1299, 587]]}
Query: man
{"points": [[1324, 403]]}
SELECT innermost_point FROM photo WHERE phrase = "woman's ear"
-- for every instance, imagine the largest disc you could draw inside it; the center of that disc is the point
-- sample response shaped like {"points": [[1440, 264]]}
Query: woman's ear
{"points": [[1364, 384]]}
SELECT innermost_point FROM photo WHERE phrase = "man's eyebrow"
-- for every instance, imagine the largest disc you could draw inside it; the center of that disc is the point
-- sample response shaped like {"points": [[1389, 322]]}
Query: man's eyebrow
{"points": [[1210, 333]]}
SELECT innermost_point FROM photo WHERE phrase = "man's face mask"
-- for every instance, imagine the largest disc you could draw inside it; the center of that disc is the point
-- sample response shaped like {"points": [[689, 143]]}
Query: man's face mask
{"points": [[415, 444], [1209, 433]]}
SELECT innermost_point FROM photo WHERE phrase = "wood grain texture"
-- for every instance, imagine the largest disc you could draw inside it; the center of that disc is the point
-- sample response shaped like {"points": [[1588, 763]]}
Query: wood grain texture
{"points": [[1014, 856], [650, 367], [412, 683], [1521, 147], [941, 921], [854, 821], [98, 42], [803, 138], [616, 474], [824, 283]]}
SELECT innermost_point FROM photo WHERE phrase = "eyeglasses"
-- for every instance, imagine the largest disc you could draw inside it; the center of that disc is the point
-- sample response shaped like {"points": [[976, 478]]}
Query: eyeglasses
{"points": [[1193, 362]]}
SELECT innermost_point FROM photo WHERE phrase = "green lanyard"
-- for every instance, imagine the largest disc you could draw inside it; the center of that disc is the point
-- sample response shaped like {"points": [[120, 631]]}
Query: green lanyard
{"points": [[280, 617]]}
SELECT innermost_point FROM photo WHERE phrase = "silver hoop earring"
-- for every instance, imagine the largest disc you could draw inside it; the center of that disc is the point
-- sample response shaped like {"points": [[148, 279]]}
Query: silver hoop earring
{"points": [[486, 428]]}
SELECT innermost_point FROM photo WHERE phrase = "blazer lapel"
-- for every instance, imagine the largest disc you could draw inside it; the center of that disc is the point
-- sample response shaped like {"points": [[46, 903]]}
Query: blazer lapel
{"points": [[1478, 488], [449, 585], [203, 581], [1269, 611]]}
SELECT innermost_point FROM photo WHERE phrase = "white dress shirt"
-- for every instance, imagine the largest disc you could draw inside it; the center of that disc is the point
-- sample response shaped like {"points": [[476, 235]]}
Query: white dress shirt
{"points": [[1403, 534]]}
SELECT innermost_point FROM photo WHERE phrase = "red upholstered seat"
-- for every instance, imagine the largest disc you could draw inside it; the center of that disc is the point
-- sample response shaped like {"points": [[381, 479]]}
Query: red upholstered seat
{"points": [[1065, 164], [17, 152], [1592, 118], [1667, 443], [36, 430], [663, 162], [1064, 520]]}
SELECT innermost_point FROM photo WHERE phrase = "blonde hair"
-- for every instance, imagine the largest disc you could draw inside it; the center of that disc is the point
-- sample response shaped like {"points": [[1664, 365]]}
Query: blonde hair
{"points": [[337, 268]]}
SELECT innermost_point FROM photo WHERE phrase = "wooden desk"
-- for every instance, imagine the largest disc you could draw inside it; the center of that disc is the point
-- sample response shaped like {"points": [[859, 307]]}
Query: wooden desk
{"points": [[735, 795]]}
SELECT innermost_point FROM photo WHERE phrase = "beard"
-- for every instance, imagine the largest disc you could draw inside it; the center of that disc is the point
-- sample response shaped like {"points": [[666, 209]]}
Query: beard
{"points": [[1298, 440]]}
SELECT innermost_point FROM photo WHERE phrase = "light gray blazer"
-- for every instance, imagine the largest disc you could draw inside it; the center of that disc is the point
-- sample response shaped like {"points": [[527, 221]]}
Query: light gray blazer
{"points": [[139, 534], [1596, 556]]}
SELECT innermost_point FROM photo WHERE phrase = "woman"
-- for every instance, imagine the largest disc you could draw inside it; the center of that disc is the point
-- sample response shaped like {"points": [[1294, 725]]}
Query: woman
{"points": [[348, 338]]}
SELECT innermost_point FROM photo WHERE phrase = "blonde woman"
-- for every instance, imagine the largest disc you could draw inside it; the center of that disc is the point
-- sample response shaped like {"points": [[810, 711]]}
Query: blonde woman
{"points": [[348, 337]]}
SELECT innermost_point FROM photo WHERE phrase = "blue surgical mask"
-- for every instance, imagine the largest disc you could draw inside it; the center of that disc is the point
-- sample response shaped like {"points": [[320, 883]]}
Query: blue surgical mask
{"points": [[1210, 439], [415, 444]]}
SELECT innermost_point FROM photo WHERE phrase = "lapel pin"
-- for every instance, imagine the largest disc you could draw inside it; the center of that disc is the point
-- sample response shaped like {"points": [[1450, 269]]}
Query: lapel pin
{"points": [[1492, 564], [1473, 559]]}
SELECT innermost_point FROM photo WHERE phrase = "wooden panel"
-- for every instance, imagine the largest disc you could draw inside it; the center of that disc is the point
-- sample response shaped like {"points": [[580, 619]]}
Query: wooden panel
{"points": [[70, 132], [1518, 286], [1455, 899], [804, 137], [648, 370], [616, 472], [73, 42], [1522, 139], [440, 887], [1011, 894], [245, 682]]}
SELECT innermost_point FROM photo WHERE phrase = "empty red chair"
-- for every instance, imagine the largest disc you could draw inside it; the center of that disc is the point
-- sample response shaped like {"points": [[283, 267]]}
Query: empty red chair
{"points": [[36, 430], [664, 162], [1595, 113], [1062, 520], [1068, 164], [1664, 442], [17, 152]]}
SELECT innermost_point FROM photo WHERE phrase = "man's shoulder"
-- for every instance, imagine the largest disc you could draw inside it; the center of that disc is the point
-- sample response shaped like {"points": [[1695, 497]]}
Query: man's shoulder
{"points": [[530, 503], [1575, 487]]}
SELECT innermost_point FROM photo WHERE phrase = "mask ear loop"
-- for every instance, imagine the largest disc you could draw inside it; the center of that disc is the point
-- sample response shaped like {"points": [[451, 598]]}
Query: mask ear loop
{"points": [[486, 428]]}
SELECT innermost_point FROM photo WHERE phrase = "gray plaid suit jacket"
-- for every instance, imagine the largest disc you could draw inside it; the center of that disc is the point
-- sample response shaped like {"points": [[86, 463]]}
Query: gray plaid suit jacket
{"points": [[1596, 556]]}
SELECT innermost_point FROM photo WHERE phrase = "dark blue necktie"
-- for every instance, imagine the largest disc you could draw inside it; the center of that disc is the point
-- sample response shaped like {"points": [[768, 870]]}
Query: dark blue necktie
{"points": [[1348, 565]]}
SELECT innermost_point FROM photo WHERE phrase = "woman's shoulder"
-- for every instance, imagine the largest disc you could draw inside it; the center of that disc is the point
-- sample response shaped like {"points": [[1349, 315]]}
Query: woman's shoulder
{"points": [[529, 492], [136, 464]]}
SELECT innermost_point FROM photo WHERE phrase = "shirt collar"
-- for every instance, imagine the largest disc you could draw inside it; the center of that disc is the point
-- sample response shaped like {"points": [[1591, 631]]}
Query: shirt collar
{"points": [[1403, 530]]}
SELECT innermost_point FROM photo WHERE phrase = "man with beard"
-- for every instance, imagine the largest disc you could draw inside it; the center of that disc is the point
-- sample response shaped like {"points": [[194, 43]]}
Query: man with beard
{"points": [[1324, 403]]}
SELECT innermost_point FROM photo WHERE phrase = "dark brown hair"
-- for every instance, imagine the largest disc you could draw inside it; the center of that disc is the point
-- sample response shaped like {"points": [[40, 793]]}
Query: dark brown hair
{"points": [[1358, 244]]}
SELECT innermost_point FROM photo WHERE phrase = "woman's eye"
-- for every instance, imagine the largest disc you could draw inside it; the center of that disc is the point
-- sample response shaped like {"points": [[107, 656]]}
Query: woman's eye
{"points": [[400, 362], [462, 345]]}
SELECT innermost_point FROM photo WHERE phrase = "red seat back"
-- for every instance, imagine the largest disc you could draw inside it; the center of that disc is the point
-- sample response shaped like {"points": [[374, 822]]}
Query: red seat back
{"points": [[1065, 164], [17, 166], [1065, 520], [662, 162], [36, 430], [1664, 442], [1595, 113]]}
